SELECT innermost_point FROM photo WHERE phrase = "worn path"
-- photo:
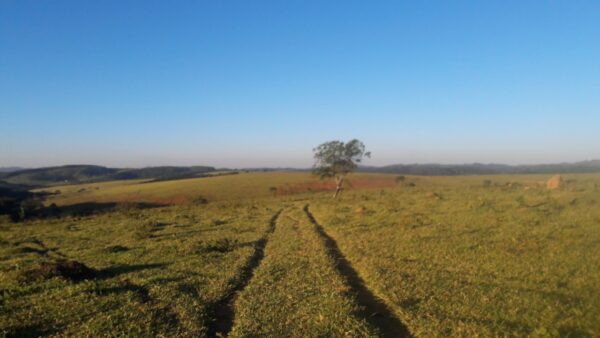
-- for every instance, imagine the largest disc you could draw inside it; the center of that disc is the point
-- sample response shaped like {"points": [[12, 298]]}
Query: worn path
{"points": [[299, 284]]}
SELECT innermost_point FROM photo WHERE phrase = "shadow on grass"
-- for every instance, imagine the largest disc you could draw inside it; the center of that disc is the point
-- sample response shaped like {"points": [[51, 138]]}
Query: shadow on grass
{"points": [[142, 292], [223, 311], [29, 331], [37, 211], [90, 208], [117, 270], [126, 285], [376, 312]]}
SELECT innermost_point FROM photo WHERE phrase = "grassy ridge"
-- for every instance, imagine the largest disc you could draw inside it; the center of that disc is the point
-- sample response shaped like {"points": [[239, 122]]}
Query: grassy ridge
{"points": [[296, 291], [92, 173], [461, 259]]}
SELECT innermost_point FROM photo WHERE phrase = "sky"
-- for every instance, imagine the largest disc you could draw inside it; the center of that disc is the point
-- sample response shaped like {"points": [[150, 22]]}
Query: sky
{"points": [[261, 83]]}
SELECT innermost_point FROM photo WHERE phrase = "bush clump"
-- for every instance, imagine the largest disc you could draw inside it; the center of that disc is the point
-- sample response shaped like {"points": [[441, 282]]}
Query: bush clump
{"points": [[199, 200], [220, 245], [67, 269], [116, 248], [217, 222]]}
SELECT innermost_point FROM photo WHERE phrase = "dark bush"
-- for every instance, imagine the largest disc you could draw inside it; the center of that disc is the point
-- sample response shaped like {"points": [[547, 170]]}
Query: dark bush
{"points": [[199, 200], [217, 222], [221, 245], [68, 269], [117, 248]]}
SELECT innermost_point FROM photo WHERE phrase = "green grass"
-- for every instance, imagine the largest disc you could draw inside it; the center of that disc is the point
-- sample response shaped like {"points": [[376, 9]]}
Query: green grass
{"points": [[170, 267], [454, 258], [447, 256], [296, 291]]}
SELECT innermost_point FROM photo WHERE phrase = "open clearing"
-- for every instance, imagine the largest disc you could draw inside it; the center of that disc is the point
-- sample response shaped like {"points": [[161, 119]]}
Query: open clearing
{"points": [[220, 188], [271, 254]]}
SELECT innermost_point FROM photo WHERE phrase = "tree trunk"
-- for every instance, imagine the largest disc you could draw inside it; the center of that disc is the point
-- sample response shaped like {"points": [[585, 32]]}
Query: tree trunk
{"points": [[338, 186]]}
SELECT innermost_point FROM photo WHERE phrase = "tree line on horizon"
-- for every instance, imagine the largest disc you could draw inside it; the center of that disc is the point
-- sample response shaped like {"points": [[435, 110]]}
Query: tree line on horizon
{"points": [[92, 173]]}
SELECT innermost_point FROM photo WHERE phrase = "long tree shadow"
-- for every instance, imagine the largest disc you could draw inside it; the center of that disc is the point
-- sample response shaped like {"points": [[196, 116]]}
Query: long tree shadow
{"points": [[375, 311], [116, 270], [29, 331], [141, 291], [18, 213], [90, 208], [126, 285], [223, 311]]}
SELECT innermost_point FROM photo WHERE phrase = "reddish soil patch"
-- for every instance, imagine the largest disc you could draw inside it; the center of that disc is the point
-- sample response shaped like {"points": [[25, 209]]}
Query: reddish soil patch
{"points": [[298, 188], [327, 185], [554, 183], [365, 183]]}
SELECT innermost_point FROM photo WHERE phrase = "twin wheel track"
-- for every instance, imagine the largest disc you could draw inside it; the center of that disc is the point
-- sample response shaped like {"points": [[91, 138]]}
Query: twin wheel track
{"points": [[374, 310]]}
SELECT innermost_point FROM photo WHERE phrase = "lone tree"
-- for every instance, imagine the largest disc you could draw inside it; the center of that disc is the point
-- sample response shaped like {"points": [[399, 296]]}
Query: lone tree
{"points": [[335, 159]]}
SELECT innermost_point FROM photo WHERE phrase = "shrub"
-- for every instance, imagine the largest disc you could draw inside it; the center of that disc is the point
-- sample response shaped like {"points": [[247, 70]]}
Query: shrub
{"points": [[116, 248], [221, 245], [29, 208], [65, 268], [199, 200], [217, 222]]}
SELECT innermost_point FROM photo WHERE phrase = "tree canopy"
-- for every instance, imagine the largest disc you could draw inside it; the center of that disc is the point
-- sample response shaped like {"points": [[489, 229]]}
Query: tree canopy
{"points": [[335, 159]]}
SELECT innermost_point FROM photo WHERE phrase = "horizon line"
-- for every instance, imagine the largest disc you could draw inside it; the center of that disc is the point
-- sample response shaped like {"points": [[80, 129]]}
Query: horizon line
{"points": [[292, 167]]}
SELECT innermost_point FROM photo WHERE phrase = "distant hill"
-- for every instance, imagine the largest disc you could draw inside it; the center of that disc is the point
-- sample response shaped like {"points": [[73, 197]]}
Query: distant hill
{"points": [[71, 174], [486, 169], [9, 169]]}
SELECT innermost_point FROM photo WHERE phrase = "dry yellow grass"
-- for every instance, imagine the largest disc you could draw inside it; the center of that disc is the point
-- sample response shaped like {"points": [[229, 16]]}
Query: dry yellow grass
{"points": [[219, 188]]}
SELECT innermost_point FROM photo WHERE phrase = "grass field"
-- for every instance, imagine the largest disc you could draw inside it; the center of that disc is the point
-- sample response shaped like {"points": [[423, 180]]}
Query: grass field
{"points": [[464, 259], [271, 254], [158, 271], [220, 188]]}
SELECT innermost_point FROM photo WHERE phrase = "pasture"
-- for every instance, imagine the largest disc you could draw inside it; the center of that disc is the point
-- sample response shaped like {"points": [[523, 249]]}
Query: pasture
{"points": [[220, 188], [272, 254]]}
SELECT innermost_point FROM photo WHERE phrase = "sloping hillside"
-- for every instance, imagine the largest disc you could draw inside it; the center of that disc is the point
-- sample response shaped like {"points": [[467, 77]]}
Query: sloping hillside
{"points": [[71, 174]]}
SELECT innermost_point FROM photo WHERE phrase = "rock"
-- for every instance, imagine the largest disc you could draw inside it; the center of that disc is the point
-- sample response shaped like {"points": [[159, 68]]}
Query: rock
{"points": [[554, 183]]}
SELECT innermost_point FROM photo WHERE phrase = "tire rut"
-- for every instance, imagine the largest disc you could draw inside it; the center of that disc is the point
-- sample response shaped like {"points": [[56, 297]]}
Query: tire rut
{"points": [[224, 310], [375, 310]]}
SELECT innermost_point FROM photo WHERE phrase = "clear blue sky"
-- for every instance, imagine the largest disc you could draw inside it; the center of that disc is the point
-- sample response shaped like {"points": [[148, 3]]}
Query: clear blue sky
{"points": [[260, 83]]}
